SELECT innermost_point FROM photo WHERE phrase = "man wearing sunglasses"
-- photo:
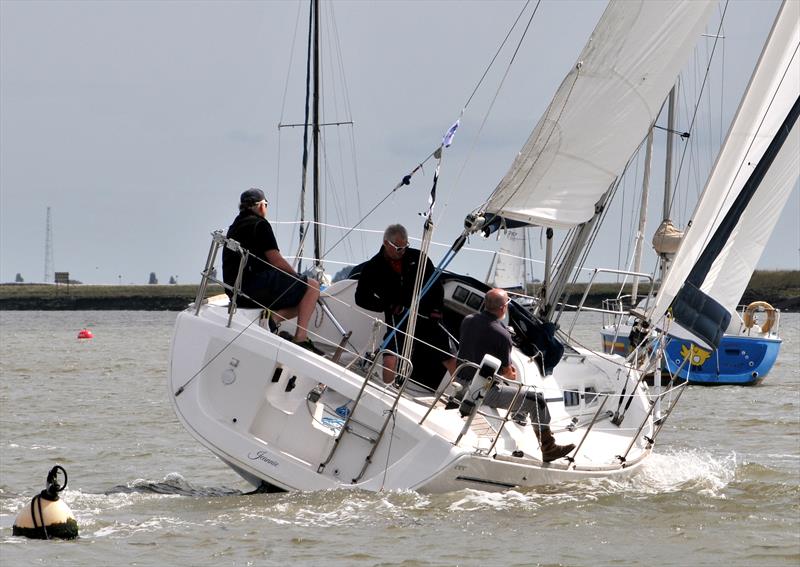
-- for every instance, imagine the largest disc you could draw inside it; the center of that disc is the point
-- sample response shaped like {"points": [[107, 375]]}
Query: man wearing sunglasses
{"points": [[386, 283], [484, 333], [268, 279]]}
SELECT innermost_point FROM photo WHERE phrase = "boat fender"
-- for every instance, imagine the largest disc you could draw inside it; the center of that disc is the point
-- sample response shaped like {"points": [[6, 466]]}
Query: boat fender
{"points": [[47, 516], [480, 384], [750, 319]]}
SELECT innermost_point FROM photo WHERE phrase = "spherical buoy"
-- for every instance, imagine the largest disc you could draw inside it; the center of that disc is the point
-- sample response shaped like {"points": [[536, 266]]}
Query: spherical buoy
{"points": [[47, 516], [85, 334]]}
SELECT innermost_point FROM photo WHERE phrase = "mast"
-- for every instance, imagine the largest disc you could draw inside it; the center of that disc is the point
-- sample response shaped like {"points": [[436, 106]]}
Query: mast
{"points": [[668, 170], [304, 178], [637, 255], [315, 143], [48, 249]]}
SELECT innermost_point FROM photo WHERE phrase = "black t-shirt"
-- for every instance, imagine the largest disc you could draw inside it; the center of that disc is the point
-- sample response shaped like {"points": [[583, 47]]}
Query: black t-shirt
{"points": [[254, 233], [481, 334]]}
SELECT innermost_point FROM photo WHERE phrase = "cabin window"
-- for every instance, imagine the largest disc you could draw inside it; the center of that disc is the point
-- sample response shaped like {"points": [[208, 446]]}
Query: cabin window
{"points": [[461, 294], [589, 395], [572, 398], [474, 301]]}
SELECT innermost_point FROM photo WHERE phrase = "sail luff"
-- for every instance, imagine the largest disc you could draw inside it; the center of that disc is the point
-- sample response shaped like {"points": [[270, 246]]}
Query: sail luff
{"points": [[600, 113]]}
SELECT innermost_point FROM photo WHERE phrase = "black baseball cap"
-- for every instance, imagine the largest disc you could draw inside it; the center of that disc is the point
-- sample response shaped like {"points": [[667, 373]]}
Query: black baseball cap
{"points": [[251, 197]]}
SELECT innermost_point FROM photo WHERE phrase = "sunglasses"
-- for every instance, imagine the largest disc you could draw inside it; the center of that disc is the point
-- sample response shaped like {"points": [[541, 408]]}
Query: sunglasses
{"points": [[397, 248]]}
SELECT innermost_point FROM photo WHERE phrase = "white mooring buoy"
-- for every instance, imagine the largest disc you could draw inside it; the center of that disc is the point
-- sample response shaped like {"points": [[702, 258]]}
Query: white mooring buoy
{"points": [[47, 516]]}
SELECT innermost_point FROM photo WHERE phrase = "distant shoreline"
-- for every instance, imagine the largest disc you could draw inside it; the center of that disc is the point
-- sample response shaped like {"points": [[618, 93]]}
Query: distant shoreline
{"points": [[779, 288]]}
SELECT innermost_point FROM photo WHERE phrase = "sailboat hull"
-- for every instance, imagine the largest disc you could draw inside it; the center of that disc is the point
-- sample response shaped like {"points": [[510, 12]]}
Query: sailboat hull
{"points": [[739, 360], [278, 414]]}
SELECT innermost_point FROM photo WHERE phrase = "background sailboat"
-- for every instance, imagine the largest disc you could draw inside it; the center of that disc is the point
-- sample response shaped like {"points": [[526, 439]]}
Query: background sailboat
{"points": [[750, 183], [509, 268], [747, 350]]}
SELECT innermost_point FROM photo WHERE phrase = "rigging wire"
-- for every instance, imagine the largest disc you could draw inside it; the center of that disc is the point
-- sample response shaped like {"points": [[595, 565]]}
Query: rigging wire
{"points": [[702, 88], [349, 114], [406, 179], [485, 119], [499, 49], [283, 109], [329, 193]]}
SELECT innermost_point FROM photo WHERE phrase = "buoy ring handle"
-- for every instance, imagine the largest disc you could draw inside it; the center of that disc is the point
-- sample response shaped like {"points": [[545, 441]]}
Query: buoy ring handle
{"points": [[53, 487], [749, 315]]}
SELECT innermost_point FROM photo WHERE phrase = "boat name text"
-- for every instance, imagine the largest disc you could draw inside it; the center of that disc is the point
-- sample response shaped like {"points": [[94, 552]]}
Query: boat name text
{"points": [[261, 456]]}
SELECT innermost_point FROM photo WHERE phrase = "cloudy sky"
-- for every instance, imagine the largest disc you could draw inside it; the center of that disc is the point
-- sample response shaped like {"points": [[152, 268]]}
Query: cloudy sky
{"points": [[139, 123]]}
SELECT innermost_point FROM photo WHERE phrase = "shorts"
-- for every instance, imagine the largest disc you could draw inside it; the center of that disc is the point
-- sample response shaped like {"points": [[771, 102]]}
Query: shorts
{"points": [[273, 289]]}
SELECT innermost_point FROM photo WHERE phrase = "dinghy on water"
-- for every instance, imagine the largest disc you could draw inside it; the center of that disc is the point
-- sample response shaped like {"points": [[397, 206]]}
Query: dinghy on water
{"points": [[288, 419]]}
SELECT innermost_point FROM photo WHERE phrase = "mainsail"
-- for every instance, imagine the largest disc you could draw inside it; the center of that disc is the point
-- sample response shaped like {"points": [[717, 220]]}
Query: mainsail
{"points": [[749, 185], [600, 113]]}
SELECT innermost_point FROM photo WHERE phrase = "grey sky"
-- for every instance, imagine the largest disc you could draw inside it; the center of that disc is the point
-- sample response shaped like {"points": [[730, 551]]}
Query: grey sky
{"points": [[139, 123]]}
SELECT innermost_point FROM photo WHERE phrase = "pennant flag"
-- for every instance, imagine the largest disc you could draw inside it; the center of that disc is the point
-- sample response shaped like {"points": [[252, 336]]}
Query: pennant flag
{"points": [[432, 196], [448, 137]]}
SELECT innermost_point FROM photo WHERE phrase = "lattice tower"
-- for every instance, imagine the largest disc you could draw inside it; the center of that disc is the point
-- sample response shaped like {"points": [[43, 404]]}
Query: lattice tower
{"points": [[48, 250]]}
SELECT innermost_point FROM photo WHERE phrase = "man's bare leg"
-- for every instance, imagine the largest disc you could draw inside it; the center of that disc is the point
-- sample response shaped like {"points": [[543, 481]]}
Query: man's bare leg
{"points": [[305, 309], [451, 366], [389, 368], [302, 311]]}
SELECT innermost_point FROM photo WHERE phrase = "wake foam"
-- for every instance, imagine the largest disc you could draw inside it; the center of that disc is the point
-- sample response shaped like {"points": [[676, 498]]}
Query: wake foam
{"points": [[174, 484]]}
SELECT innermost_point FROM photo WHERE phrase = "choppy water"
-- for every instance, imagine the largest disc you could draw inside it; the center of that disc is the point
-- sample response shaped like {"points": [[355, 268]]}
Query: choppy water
{"points": [[722, 489]]}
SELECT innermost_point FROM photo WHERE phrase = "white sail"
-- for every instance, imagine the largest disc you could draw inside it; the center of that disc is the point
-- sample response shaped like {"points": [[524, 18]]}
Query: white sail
{"points": [[601, 112], [773, 90], [509, 269]]}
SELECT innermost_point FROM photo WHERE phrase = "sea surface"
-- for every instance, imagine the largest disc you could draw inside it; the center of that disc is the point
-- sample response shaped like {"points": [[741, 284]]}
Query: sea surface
{"points": [[723, 487]]}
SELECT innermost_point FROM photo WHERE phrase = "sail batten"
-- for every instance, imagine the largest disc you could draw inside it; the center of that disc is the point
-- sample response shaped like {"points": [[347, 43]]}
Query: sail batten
{"points": [[600, 113]]}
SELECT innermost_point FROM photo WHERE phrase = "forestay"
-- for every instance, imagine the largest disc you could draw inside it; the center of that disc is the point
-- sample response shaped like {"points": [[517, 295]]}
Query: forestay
{"points": [[750, 182], [601, 112]]}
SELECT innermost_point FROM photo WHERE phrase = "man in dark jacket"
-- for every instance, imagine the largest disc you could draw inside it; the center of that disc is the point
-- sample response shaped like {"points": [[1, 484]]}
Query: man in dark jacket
{"points": [[268, 279], [386, 283]]}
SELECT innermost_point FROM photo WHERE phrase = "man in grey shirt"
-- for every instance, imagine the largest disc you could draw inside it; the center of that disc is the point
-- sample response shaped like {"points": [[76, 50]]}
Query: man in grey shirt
{"points": [[484, 333]]}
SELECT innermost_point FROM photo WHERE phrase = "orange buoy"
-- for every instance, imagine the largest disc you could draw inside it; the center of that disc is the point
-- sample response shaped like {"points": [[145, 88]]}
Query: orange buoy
{"points": [[85, 334]]}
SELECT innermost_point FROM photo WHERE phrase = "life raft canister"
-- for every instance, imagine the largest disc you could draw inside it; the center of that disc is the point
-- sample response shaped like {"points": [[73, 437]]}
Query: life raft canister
{"points": [[750, 319], [47, 516]]}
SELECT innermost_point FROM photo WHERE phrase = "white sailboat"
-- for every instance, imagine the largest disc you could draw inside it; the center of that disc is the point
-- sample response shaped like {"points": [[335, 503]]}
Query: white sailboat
{"points": [[287, 419]]}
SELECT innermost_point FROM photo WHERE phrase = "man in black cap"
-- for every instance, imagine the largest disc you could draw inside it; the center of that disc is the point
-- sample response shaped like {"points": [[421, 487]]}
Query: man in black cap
{"points": [[268, 279]]}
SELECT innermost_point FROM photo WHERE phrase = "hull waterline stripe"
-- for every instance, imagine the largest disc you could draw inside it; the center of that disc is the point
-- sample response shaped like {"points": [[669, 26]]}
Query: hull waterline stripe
{"points": [[484, 481]]}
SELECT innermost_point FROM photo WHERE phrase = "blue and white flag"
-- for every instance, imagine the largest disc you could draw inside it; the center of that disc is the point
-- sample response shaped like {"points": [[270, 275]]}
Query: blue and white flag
{"points": [[448, 137]]}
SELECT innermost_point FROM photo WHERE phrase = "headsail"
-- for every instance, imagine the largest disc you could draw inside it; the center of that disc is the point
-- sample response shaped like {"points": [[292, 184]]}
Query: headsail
{"points": [[601, 112], [509, 268], [749, 185]]}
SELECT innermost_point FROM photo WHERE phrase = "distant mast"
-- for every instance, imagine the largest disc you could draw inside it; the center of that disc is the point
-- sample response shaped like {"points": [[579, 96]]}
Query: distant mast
{"points": [[48, 249], [312, 100]]}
